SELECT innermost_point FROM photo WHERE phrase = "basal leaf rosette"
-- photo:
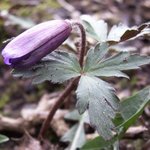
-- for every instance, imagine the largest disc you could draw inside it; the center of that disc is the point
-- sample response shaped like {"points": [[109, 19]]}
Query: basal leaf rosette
{"points": [[98, 97]]}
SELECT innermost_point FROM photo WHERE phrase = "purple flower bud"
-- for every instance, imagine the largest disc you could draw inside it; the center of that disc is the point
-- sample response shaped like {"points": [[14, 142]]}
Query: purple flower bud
{"points": [[32, 45]]}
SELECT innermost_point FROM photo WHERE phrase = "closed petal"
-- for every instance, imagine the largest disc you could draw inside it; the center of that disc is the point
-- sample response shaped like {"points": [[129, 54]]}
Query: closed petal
{"points": [[34, 38], [33, 57]]}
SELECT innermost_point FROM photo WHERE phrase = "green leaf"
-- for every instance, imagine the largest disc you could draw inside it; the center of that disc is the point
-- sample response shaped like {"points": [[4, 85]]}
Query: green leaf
{"points": [[122, 48], [75, 116], [132, 107], [3, 138], [95, 55], [69, 135], [76, 135], [24, 23], [118, 33], [135, 32], [100, 100], [121, 32], [96, 65], [98, 143], [124, 61], [96, 29], [57, 67]]}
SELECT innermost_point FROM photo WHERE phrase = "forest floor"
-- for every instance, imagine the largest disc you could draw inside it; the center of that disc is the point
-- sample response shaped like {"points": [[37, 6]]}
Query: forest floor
{"points": [[19, 99]]}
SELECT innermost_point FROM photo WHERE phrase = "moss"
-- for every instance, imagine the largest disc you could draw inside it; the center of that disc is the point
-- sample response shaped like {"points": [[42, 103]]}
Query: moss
{"points": [[133, 80], [5, 4], [52, 3], [4, 100], [24, 11], [40, 10], [7, 95], [124, 83], [138, 144], [3, 34]]}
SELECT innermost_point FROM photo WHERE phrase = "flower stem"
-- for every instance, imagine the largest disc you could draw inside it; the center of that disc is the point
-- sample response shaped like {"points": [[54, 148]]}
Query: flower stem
{"points": [[82, 49], [71, 85], [58, 103]]}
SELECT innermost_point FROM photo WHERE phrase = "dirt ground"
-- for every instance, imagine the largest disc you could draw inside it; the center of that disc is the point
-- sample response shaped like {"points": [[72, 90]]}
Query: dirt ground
{"points": [[19, 99]]}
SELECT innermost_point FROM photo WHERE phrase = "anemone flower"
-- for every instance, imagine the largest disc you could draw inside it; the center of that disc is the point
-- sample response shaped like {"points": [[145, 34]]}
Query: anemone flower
{"points": [[32, 45]]}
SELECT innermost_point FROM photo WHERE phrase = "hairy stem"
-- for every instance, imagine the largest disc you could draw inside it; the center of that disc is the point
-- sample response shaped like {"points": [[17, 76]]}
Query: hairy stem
{"points": [[82, 49], [58, 103], [71, 85]]}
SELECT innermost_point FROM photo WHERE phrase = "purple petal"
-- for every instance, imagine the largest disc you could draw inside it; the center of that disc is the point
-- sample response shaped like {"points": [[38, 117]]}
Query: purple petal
{"points": [[32, 58], [34, 38]]}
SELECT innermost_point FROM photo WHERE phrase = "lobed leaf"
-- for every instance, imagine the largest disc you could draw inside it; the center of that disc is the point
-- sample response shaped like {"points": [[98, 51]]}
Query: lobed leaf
{"points": [[98, 143], [100, 100], [124, 61], [3, 138], [96, 29], [76, 135], [118, 33], [130, 109], [15, 20], [57, 67], [95, 55], [96, 65], [75, 116]]}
